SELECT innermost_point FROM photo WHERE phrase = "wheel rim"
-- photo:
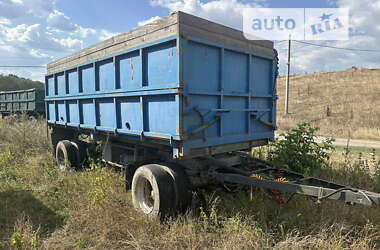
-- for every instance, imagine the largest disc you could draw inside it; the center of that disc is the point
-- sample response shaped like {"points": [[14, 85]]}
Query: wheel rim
{"points": [[145, 196], [61, 159]]}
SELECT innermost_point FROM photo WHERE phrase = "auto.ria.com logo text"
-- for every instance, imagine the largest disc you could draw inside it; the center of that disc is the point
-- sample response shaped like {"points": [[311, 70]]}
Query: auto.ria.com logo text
{"points": [[301, 24]]}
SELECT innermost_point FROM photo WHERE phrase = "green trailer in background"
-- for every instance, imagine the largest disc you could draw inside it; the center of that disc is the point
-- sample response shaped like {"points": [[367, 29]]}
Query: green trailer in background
{"points": [[29, 101]]}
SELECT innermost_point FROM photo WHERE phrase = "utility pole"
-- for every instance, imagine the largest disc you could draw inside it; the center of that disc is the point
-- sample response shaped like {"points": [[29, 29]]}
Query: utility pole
{"points": [[287, 80]]}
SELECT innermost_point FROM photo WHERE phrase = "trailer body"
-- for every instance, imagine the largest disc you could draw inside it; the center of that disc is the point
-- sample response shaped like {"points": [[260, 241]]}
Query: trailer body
{"points": [[182, 82], [30, 101]]}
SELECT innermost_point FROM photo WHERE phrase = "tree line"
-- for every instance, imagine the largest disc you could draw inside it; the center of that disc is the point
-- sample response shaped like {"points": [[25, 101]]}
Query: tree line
{"points": [[12, 82]]}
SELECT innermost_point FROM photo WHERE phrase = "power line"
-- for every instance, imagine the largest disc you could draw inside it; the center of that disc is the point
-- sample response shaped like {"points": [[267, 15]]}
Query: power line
{"points": [[280, 44], [302, 46], [280, 41], [21, 66], [333, 47], [282, 50]]}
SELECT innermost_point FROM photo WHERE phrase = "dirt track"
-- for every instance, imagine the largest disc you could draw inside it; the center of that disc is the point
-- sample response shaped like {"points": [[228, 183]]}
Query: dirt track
{"points": [[354, 142]]}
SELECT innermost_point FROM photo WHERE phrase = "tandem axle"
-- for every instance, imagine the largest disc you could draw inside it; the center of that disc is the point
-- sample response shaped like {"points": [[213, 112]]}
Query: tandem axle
{"points": [[161, 186]]}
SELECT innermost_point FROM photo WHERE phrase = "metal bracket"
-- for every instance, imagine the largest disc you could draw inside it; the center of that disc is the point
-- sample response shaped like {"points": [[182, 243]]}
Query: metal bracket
{"points": [[257, 116], [204, 126]]}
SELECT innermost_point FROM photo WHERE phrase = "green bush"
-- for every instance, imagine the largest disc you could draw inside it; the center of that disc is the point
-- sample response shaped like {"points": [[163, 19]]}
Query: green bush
{"points": [[297, 150]]}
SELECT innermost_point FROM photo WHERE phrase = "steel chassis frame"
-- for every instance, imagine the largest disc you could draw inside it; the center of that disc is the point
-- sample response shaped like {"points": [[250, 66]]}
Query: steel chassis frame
{"points": [[296, 183]]}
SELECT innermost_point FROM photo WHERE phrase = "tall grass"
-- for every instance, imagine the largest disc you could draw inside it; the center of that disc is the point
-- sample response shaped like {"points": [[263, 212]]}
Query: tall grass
{"points": [[25, 135], [43, 208]]}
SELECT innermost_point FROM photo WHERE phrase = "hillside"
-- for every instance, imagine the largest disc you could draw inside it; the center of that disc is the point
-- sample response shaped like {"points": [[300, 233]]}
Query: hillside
{"points": [[343, 103], [13, 82]]}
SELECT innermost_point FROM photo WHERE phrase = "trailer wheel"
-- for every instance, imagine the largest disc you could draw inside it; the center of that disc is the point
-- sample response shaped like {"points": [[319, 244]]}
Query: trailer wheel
{"points": [[181, 185], [66, 155], [81, 152], [153, 191]]}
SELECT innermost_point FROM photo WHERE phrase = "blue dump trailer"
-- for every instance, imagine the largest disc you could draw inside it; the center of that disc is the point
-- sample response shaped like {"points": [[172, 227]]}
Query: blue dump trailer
{"points": [[30, 101], [170, 101]]}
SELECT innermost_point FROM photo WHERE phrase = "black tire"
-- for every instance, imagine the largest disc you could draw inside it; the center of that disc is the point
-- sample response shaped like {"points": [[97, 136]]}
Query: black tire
{"points": [[66, 155], [181, 185], [81, 152], [153, 191], [129, 171]]}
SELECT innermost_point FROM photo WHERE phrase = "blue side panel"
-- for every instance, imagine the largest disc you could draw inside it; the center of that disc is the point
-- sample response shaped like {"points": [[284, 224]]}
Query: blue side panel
{"points": [[200, 106], [265, 106], [88, 112], [235, 72], [73, 112], [235, 121], [50, 91], [61, 84], [130, 70], [161, 114], [61, 111], [262, 76], [202, 67], [106, 113], [263, 87], [129, 114], [160, 64], [130, 93], [25, 96], [73, 82], [229, 95], [106, 71], [88, 79], [50, 111]]}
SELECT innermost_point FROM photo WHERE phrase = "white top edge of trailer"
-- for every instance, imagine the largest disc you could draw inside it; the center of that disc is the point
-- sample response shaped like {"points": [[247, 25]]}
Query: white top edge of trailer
{"points": [[177, 23], [18, 91]]}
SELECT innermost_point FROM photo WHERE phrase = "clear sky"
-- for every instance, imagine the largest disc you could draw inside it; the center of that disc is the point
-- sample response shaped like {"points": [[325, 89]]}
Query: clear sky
{"points": [[35, 32]]}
